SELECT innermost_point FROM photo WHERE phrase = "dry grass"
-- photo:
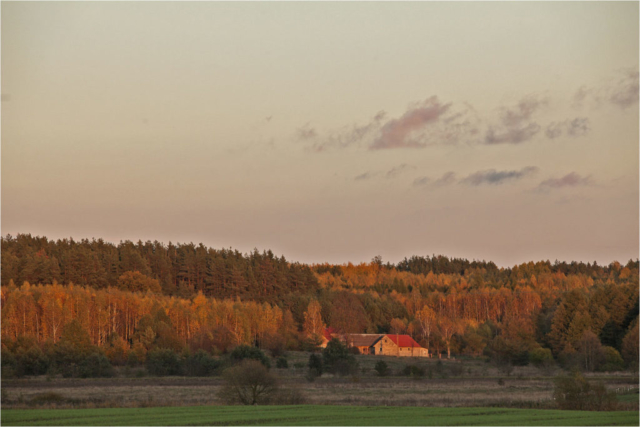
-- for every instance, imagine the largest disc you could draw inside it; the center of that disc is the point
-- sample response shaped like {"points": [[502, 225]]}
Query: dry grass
{"points": [[472, 383]]}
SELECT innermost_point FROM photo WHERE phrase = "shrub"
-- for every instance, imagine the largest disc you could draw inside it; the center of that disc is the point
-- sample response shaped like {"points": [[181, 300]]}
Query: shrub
{"points": [[249, 383], [201, 364], [541, 357], [137, 355], [243, 352], [31, 361], [382, 368], [282, 363], [163, 362], [337, 359], [574, 392], [274, 343], [315, 365], [612, 360], [413, 371], [94, 366], [117, 349]]}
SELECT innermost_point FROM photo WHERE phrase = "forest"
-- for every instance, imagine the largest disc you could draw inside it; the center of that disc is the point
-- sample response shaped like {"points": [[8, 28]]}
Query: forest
{"points": [[123, 302]]}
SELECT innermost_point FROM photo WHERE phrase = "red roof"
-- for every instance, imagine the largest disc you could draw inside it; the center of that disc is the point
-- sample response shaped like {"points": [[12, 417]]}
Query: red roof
{"points": [[403, 340], [327, 333]]}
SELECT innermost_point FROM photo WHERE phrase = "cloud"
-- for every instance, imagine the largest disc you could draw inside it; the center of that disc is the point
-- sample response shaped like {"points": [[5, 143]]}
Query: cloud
{"points": [[446, 179], [522, 111], [350, 135], [493, 177], [621, 91], [397, 133], [512, 135], [390, 174], [577, 127], [395, 171], [624, 93], [421, 181], [516, 122], [569, 180], [306, 132], [365, 176]]}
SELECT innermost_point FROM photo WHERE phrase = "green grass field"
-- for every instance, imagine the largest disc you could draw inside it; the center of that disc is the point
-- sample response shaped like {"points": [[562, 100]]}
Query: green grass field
{"points": [[313, 415]]}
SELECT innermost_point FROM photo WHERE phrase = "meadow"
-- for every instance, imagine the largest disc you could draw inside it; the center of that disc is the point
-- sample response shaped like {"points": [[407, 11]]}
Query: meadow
{"points": [[314, 415], [446, 383]]}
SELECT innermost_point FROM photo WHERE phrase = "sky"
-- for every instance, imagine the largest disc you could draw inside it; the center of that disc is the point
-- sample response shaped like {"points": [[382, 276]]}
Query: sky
{"points": [[326, 132]]}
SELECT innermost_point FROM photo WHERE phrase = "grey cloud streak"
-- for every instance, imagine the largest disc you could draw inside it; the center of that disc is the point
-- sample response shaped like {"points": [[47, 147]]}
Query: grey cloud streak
{"points": [[516, 122], [306, 132], [571, 179], [621, 92], [365, 176], [394, 172], [512, 136], [577, 127], [421, 181], [494, 177], [483, 177], [390, 174], [446, 179], [350, 135]]}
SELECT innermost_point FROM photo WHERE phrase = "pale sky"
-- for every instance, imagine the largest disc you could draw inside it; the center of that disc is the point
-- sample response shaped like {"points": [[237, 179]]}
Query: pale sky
{"points": [[326, 132]]}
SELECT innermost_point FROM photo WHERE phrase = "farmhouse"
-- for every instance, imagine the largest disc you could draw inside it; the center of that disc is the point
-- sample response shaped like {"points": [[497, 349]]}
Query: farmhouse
{"points": [[379, 344], [399, 345]]}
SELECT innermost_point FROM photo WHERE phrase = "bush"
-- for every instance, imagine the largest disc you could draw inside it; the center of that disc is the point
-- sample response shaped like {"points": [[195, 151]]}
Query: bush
{"points": [[201, 364], [94, 366], [315, 366], [337, 359], [282, 363], [249, 383], [137, 355], [31, 361], [575, 393], [413, 371], [612, 360], [163, 362], [541, 357], [243, 352], [382, 368]]}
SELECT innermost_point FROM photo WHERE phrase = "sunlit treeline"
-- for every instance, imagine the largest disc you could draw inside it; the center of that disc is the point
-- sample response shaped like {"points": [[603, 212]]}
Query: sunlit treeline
{"points": [[42, 311]]}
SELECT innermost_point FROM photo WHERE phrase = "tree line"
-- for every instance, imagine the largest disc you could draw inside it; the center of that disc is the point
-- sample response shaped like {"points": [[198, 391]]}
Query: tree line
{"points": [[133, 299]]}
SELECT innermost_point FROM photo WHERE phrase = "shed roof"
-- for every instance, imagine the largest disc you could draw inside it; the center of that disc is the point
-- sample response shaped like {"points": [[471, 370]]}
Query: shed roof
{"points": [[364, 340], [328, 332]]}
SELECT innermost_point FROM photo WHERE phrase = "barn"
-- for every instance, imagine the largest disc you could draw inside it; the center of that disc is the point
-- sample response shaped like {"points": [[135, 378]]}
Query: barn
{"points": [[363, 342], [399, 345]]}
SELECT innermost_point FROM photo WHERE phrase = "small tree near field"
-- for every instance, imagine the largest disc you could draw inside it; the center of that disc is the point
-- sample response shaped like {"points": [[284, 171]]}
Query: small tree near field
{"points": [[249, 383], [315, 367], [382, 368], [576, 393], [243, 352], [337, 359]]}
